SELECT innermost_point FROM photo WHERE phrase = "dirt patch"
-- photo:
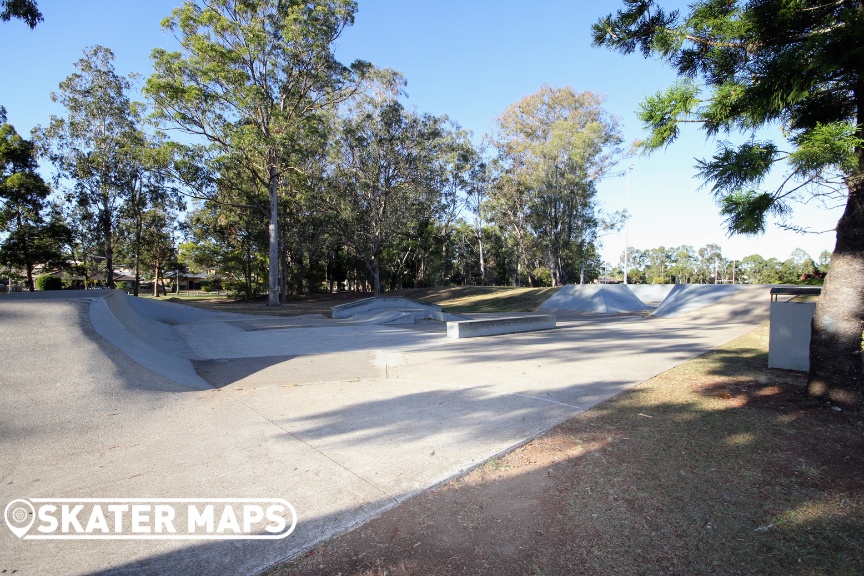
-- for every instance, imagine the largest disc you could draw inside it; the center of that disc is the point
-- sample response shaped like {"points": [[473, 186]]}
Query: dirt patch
{"points": [[719, 466], [314, 304]]}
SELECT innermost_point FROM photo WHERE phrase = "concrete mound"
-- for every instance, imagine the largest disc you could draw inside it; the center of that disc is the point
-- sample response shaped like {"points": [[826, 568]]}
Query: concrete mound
{"points": [[596, 298], [386, 310], [686, 298]]}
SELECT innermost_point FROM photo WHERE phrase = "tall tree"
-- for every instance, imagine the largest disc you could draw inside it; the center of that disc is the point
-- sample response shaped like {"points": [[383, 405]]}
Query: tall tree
{"points": [[558, 144], [387, 167], [93, 146], [29, 238], [250, 74], [798, 64]]}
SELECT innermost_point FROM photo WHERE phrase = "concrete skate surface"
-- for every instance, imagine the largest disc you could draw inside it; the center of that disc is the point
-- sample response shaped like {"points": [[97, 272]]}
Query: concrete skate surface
{"points": [[344, 420]]}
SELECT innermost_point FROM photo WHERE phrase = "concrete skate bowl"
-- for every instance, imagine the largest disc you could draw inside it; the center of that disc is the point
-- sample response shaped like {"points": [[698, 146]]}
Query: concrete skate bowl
{"points": [[716, 303], [145, 331], [596, 299]]}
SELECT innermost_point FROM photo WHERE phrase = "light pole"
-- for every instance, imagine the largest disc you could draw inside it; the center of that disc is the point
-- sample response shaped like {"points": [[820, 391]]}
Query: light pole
{"points": [[627, 225]]}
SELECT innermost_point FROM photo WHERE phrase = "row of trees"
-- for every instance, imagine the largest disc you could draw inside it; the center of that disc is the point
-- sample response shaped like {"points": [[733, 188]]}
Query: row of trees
{"points": [[316, 170], [258, 89], [707, 265]]}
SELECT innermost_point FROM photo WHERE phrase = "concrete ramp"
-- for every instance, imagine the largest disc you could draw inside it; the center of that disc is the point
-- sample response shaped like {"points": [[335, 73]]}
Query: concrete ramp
{"points": [[596, 298], [383, 310], [144, 331], [651, 294], [686, 298]]}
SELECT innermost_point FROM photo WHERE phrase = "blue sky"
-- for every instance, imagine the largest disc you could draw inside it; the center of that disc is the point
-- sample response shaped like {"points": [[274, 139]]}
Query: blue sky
{"points": [[468, 59]]}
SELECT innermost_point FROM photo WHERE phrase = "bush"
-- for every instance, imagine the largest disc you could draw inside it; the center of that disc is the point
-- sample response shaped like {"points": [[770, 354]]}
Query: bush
{"points": [[206, 288], [123, 285], [541, 277], [48, 282]]}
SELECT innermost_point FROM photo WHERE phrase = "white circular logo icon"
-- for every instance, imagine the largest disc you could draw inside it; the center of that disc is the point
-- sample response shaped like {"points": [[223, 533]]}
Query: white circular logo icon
{"points": [[19, 516]]}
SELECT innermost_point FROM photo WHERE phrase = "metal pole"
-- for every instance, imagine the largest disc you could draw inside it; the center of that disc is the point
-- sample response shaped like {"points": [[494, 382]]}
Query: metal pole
{"points": [[627, 225]]}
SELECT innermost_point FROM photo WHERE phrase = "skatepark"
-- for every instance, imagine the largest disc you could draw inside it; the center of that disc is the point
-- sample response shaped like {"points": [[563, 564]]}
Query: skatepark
{"points": [[108, 396]]}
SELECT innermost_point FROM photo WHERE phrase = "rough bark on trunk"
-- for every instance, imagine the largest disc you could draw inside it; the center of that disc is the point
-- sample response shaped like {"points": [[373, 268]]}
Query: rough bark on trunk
{"points": [[836, 370], [138, 227], [156, 282], [376, 275], [109, 247], [273, 229]]}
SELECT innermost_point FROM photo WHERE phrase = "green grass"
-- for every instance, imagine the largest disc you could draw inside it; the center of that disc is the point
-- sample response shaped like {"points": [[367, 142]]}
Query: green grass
{"points": [[467, 299], [189, 297]]}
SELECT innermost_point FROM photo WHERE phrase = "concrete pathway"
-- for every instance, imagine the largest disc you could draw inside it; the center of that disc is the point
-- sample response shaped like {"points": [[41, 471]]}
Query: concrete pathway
{"points": [[342, 420]]}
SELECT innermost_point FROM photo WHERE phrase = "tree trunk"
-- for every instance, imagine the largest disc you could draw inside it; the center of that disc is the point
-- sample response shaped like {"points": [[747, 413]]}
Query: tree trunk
{"points": [[273, 229], [138, 227], [156, 281], [28, 264], [836, 369], [376, 274], [109, 246], [138, 230], [482, 260]]}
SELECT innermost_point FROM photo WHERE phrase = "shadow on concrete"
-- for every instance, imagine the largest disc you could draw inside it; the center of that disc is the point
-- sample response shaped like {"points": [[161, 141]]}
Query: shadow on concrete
{"points": [[635, 485], [226, 371]]}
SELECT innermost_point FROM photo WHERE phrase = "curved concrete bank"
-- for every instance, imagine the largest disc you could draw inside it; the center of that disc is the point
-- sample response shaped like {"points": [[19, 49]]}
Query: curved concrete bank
{"points": [[685, 298], [153, 344], [596, 298]]}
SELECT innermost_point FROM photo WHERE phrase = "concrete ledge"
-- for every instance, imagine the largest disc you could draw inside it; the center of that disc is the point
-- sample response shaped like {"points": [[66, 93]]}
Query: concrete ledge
{"points": [[493, 326]]}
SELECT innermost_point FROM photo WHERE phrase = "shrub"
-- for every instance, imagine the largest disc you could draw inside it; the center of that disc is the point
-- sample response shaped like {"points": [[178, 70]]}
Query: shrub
{"points": [[123, 285], [541, 276], [48, 282]]}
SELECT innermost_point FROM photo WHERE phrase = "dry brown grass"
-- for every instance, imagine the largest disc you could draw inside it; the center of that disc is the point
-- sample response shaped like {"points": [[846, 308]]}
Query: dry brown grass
{"points": [[718, 466]]}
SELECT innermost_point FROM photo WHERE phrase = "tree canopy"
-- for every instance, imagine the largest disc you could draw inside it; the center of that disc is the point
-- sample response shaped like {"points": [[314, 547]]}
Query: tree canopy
{"points": [[250, 78], [25, 10], [793, 64]]}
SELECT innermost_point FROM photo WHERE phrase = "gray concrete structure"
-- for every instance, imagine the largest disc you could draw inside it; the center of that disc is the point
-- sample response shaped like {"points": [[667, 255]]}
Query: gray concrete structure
{"points": [[651, 294], [381, 310], [596, 298], [686, 298], [499, 325], [342, 419]]}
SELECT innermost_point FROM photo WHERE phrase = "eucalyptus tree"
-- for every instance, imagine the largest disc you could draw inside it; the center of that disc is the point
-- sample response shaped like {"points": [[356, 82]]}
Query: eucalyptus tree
{"points": [[795, 64], [386, 168], [249, 75], [508, 205], [26, 237], [153, 185], [557, 144], [93, 145], [476, 193]]}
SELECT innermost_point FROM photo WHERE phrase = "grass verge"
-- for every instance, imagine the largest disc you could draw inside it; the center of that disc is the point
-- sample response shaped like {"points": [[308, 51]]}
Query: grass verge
{"points": [[459, 299], [718, 466]]}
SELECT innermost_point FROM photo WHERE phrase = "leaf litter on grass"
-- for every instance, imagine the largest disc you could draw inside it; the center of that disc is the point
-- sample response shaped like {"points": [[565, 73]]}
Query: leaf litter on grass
{"points": [[718, 466]]}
